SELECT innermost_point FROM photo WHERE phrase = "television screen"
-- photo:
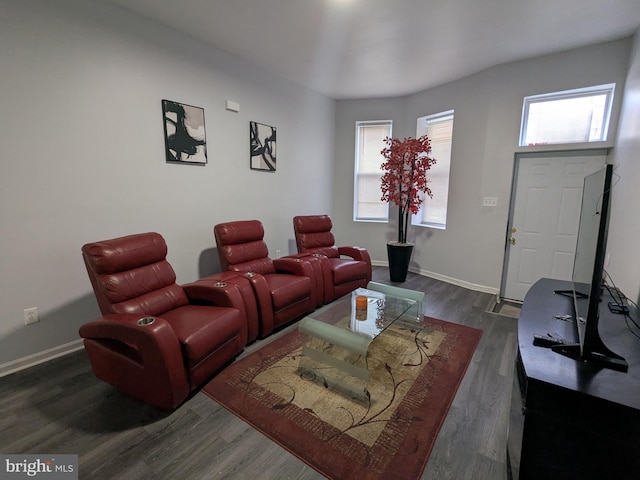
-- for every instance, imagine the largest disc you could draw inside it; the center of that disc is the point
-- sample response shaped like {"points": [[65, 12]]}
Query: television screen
{"points": [[588, 269], [590, 246]]}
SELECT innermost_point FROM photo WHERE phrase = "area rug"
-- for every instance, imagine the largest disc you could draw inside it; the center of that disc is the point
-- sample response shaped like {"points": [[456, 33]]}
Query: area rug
{"points": [[414, 373]]}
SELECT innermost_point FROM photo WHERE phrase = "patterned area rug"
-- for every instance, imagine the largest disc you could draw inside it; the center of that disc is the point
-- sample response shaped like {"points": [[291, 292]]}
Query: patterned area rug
{"points": [[414, 373]]}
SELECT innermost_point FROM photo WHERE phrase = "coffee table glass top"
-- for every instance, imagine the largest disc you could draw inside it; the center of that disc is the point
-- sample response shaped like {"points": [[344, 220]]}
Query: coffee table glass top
{"points": [[382, 310], [336, 337]]}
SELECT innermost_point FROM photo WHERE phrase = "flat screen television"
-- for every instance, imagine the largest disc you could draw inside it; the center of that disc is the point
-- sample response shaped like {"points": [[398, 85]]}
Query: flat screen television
{"points": [[588, 273]]}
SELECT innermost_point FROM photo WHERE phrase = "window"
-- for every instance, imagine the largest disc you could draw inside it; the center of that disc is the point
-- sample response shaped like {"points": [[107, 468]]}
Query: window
{"points": [[367, 205], [572, 116], [439, 128]]}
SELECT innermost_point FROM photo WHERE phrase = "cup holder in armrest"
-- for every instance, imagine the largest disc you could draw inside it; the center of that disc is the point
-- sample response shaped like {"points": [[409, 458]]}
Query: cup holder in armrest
{"points": [[220, 284], [146, 321]]}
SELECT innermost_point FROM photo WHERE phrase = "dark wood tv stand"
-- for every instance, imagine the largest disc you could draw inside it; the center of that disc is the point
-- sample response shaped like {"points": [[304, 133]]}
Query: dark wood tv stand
{"points": [[571, 419]]}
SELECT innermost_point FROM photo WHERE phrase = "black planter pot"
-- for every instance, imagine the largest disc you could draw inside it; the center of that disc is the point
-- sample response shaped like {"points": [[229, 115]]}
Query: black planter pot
{"points": [[399, 255]]}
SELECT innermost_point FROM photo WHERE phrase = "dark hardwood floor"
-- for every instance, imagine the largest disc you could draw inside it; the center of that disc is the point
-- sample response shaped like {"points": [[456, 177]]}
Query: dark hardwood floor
{"points": [[60, 407]]}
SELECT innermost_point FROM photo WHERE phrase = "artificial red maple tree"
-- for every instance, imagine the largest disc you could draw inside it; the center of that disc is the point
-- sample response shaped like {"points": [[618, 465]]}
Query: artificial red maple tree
{"points": [[406, 164]]}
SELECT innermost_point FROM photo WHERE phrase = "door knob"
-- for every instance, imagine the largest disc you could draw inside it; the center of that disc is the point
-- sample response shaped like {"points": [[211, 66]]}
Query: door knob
{"points": [[512, 241]]}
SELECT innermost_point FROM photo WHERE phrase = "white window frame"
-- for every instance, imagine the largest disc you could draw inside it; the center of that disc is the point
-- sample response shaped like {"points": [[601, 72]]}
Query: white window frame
{"points": [[358, 174], [608, 90], [441, 163]]}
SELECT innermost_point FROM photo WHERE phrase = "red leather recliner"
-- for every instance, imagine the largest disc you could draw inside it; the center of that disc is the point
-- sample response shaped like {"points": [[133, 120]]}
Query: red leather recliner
{"points": [[341, 275], [157, 341], [284, 287]]}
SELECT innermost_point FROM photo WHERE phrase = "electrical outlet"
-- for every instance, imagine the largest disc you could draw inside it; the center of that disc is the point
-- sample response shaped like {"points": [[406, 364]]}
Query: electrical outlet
{"points": [[31, 315], [490, 202], [277, 253]]}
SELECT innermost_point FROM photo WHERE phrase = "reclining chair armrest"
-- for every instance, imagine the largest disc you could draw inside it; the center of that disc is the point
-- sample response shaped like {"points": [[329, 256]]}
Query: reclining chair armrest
{"points": [[327, 276], [295, 265], [124, 327], [248, 298], [220, 294], [358, 253], [263, 299], [319, 263], [156, 343]]}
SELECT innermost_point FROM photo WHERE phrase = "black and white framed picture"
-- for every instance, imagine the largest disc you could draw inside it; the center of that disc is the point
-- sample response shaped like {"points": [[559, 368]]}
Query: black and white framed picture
{"points": [[184, 133], [262, 144]]}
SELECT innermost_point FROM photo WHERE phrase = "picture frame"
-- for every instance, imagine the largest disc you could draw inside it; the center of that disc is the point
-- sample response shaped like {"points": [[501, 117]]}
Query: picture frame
{"points": [[184, 133], [262, 147]]}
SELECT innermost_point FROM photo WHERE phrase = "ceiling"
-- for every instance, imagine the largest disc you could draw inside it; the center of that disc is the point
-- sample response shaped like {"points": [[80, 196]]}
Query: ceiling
{"points": [[379, 48]]}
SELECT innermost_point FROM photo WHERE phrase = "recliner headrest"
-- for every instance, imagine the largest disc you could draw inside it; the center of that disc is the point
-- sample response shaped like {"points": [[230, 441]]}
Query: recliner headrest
{"points": [[312, 223], [243, 231], [125, 253]]}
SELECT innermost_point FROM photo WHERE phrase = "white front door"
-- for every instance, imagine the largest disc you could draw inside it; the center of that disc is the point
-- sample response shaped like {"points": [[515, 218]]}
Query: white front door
{"points": [[545, 213]]}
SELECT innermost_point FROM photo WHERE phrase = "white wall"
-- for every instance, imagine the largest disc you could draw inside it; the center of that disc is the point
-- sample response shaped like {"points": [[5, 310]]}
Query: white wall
{"points": [[488, 109], [624, 228], [82, 155]]}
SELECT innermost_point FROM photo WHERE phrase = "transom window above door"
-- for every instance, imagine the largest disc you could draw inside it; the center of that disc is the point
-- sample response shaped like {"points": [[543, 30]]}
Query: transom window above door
{"points": [[571, 116]]}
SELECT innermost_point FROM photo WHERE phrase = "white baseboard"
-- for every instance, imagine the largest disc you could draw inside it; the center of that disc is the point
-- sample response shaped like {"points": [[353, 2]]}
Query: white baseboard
{"points": [[40, 357], [444, 278]]}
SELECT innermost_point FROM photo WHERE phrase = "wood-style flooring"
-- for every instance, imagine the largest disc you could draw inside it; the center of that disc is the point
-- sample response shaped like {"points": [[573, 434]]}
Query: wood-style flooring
{"points": [[60, 407]]}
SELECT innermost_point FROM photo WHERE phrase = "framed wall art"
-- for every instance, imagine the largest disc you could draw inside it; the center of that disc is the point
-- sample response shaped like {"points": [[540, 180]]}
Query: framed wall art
{"points": [[262, 144], [184, 133]]}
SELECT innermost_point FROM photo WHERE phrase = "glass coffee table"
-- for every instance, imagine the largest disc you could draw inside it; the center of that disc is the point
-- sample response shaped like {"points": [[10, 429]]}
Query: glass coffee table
{"points": [[336, 337]]}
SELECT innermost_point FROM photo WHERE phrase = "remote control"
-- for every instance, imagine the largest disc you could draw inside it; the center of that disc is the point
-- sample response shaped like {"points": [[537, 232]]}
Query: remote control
{"points": [[547, 341]]}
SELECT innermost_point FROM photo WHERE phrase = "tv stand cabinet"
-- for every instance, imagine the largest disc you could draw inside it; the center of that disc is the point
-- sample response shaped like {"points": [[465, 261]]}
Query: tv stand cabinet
{"points": [[572, 419]]}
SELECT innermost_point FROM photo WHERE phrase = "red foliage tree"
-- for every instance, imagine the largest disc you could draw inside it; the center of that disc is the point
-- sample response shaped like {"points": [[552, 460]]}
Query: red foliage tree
{"points": [[406, 164]]}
